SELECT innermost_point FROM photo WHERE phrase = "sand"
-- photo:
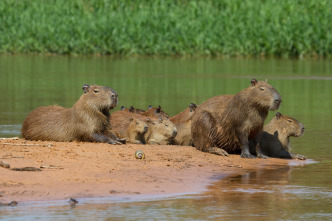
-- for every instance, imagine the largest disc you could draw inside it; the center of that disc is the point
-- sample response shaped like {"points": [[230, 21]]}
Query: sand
{"points": [[83, 170]]}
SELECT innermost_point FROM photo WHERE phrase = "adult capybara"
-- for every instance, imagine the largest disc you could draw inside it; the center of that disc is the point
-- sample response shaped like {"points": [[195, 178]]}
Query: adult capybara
{"points": [[87, 120], [275, 137], [155, 112], [161, 131], [128, 126], [182, 121], [229, 121]]}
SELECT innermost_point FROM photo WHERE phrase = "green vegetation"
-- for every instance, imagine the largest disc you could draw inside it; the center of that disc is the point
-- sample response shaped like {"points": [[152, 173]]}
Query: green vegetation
{"points": [[167, 27]]}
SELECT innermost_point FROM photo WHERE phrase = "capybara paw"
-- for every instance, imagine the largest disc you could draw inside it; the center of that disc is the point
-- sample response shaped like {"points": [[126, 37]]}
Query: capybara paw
{"points": [[298, 157], [262, 156], [123, 141], [247, 155], [115, 142], [217, 151]]}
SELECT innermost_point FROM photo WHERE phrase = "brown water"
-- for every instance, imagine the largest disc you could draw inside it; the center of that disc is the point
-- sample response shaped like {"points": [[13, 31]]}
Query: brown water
{"points": [[290, 193]]}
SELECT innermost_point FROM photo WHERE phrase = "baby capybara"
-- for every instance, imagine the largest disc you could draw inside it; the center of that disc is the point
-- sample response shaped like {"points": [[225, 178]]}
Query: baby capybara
{"points": [[129, 126], [182, 121], [275, 138], [230, 121], [88, 120], [161, 132]]}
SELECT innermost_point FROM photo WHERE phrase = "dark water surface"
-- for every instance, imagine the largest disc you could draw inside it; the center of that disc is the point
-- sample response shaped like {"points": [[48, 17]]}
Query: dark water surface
{"points": [[290, 193]]}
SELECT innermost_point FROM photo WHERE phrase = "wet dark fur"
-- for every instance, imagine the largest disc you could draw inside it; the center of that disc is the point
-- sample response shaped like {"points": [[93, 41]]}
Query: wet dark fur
{"points": [[87, 120], [229, 121]]}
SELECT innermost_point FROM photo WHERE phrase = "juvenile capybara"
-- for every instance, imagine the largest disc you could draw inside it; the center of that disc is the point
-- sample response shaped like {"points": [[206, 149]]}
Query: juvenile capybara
{"points": [[155, 112], [129, 127], [182, 121], [88, 120], [275, 137], [228, 122], [161, 131]]}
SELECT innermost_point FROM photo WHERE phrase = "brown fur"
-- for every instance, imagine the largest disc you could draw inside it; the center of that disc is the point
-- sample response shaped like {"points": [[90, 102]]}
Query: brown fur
{"points": [[230, 121], [129, 127], [182, 121], [275, 138], [161, 131], [155, 112], [87, 120]]}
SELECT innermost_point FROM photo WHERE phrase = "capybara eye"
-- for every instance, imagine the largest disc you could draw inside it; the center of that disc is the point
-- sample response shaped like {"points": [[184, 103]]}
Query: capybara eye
{"points": [[113, 96], [137, 123], [290, 121], [96, 91], [166, 125], [262, 89]]}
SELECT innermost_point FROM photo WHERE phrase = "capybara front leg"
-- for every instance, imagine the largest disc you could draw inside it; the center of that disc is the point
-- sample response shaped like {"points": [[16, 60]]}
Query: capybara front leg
{"points": [[104, 139], [217, 151], [245, 152]]}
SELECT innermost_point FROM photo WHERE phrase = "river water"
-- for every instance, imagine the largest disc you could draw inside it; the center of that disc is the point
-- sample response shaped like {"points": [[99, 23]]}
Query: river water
{"points": [[282, 193]]}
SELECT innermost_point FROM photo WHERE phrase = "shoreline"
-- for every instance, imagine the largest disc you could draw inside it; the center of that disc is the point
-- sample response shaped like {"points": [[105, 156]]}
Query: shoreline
{"points": [[96, 170]]}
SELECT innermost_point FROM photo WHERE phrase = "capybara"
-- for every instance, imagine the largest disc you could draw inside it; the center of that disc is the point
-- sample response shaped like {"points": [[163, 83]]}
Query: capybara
{"points": [[227, 122], [128, 127], [275, 137], [88, 120], [155, 112], [182, 121], [161, 131]]}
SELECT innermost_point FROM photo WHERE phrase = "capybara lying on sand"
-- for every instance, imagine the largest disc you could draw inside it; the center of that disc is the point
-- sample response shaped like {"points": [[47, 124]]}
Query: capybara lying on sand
{"points": [[182, 121], [275, 138], [161, 132], [229, 121], [129, 127], [88, 120]]}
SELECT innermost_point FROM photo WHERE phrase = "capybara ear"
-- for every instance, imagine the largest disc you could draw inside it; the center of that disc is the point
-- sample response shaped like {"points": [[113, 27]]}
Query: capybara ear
{"points": [[123, 107], [253, 82], [131, 109], [131, 119], [192, 107], [86, 88], [278, 115], [149, 107], [158, 109]]}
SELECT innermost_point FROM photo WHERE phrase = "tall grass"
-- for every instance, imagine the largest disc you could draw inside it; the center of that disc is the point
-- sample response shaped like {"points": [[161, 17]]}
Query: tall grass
{"points": [[167, 27]]}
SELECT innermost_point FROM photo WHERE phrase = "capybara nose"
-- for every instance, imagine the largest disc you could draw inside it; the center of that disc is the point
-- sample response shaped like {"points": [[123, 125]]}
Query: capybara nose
{"points": [[174, 133]]}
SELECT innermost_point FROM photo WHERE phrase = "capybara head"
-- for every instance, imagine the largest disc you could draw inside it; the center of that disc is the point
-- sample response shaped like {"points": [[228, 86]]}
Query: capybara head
{"points": [[288, 125], [166, 128], [139, 125], [162, 131], [264, 95], [100, 97], [155, 112]]}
